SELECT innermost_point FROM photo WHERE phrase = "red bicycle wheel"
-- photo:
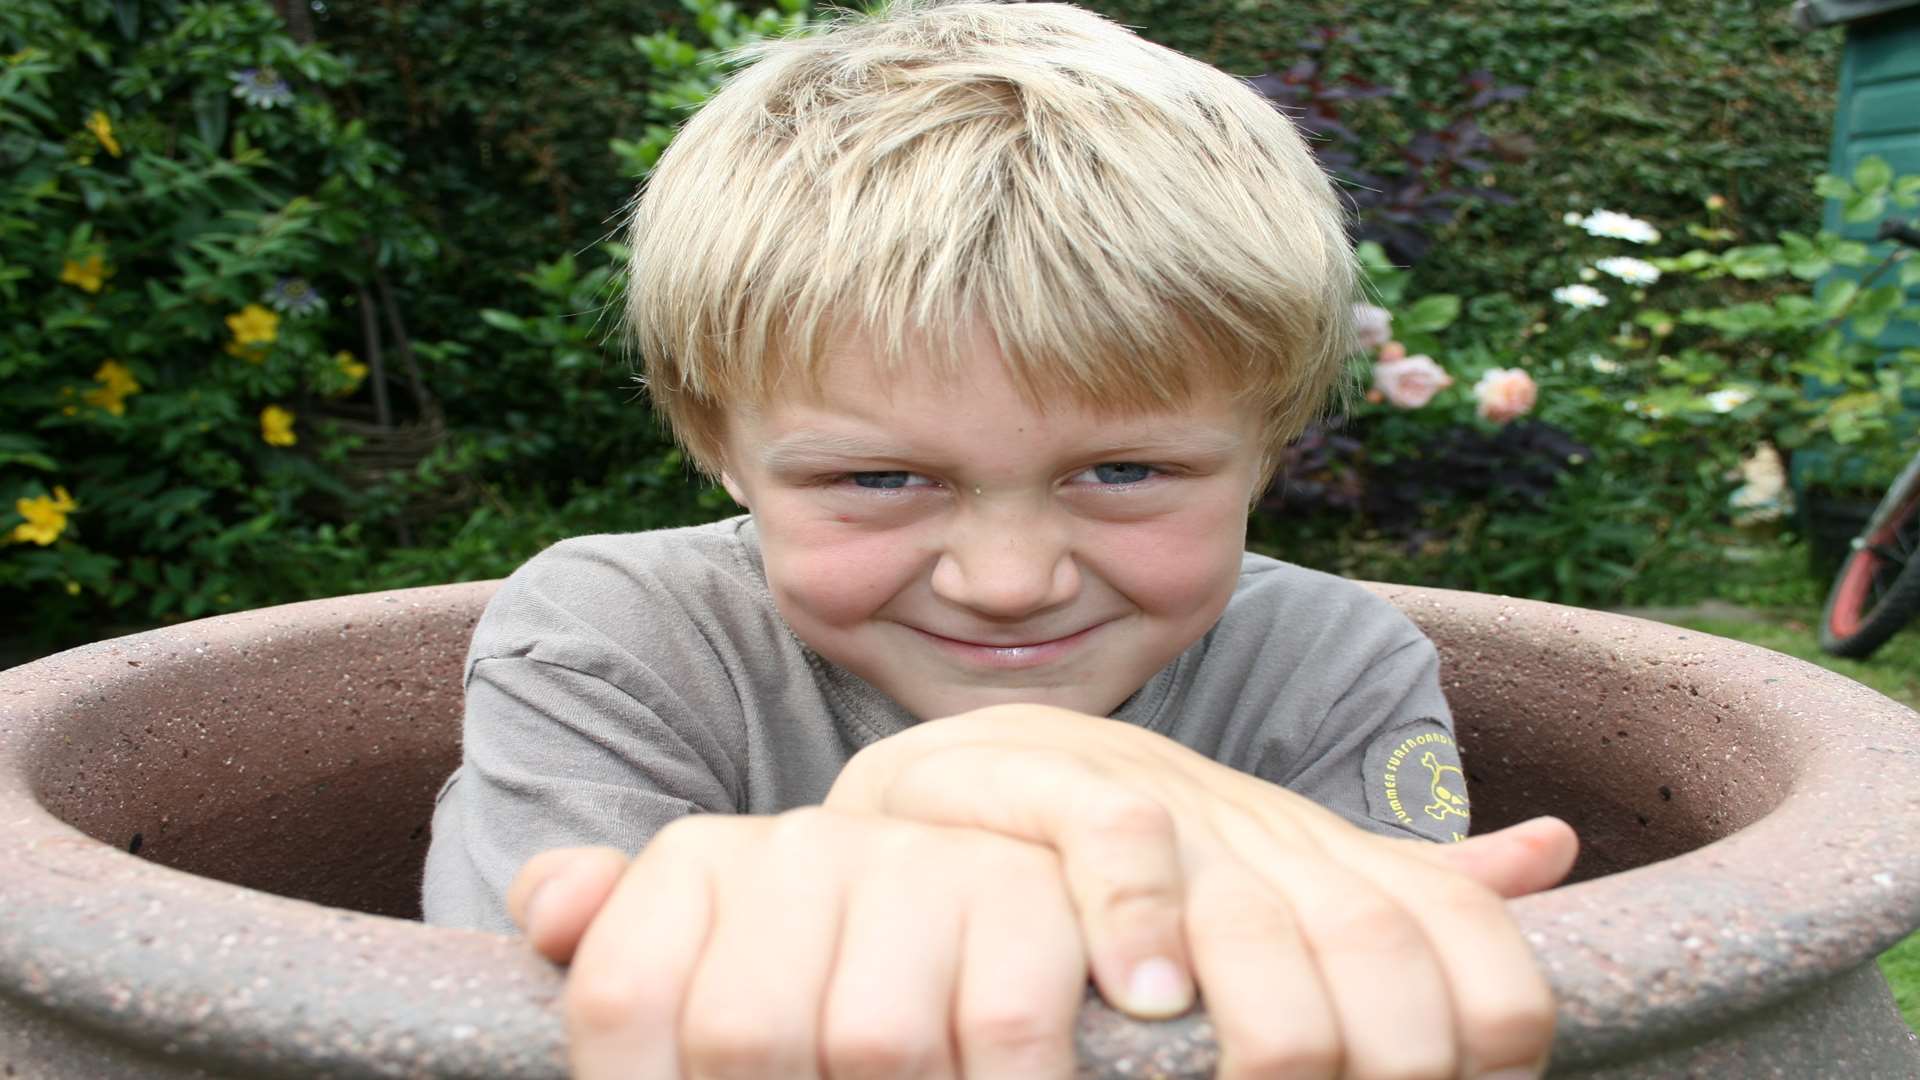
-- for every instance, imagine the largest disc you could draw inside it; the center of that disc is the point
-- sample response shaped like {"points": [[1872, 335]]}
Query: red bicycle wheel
{"points": [[1877, 591]]}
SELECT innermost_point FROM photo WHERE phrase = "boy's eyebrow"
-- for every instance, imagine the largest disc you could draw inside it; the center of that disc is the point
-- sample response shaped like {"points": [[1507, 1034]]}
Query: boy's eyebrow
{"points": [[810, 447]]}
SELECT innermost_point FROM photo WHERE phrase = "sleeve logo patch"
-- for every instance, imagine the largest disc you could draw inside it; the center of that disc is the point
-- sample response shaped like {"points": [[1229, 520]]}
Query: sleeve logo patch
{"points": [[1414, 781]]}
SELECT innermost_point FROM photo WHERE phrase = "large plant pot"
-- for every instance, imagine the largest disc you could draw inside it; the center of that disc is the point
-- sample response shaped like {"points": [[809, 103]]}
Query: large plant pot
{"points": [[213, 833]]}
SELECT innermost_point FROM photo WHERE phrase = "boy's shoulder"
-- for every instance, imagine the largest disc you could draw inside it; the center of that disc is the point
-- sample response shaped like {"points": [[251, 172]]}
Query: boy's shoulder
{"points": [[628, 587], [1280, 599]]}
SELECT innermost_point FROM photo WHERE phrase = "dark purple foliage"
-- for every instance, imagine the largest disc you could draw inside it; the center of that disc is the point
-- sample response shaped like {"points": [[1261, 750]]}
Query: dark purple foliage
{"points": [[1434, 176], [1328, 470]]}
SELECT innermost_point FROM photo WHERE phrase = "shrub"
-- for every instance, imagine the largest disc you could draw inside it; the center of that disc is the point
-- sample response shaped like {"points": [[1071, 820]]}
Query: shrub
{"points": [[185, 218], [1664, 396]]}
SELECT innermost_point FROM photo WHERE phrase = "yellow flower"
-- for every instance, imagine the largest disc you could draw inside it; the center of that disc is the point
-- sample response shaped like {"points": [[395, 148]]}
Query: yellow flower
{"points": [[102, 129], [46, 517], [86, 274], [253, 325], [353, 369], [252, 354], [116, 385], [276, 426]]}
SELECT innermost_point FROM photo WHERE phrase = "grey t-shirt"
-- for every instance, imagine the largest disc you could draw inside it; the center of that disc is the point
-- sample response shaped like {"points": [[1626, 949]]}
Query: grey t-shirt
{"points": [[618, 682]]}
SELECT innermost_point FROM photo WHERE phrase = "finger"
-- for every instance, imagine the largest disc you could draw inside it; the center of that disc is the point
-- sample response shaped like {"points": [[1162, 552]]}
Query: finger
{"points": [[1502, 1006], [1515, 861], [753, 1009], [1023, 973], [1262, 985], [557, 893], [624, 991], [1117, 845], [889, 1002], [1358, 931]]}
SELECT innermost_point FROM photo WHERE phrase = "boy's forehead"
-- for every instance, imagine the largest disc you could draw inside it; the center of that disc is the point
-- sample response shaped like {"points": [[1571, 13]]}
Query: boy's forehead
{"points": [[885, 419], [855, 363]]}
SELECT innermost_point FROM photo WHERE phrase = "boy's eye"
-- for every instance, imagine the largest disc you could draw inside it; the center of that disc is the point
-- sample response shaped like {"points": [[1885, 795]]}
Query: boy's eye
{"points": [[1120, 472], [886, 481]]}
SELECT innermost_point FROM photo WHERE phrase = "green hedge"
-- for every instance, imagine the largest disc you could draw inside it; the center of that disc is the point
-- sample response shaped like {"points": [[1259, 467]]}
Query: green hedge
{"points": [[453, 168]]}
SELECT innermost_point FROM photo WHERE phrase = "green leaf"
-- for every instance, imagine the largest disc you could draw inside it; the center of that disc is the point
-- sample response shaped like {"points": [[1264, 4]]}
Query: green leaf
{"points": [[1863, 208], [1873, 176], [1829, 186], [1430, 313], [1834, 298], [1880, 301]]}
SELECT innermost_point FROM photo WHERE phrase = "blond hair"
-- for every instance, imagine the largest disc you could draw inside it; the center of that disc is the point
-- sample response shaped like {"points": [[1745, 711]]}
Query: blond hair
{"points": [[1131, 223]]}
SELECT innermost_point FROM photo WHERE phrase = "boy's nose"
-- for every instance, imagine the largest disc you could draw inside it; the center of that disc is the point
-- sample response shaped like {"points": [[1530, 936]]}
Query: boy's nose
{"points": [[1004, 566]]}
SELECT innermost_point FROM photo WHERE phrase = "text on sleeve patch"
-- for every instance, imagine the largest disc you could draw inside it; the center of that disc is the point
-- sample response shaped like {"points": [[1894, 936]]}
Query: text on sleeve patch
{"points": [[1413, 780]]}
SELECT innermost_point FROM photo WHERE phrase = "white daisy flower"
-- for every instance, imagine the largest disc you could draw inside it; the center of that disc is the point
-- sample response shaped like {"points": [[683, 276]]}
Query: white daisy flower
{"points": [[1630, 270], [1729, 399], [1580, 297], [1619, 227]]}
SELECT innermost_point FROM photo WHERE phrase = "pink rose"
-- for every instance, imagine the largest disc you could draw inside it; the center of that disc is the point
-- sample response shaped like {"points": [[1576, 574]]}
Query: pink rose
{"points": [[1410, 381], [1505, 393], [1374, 325], [1392, 351]]}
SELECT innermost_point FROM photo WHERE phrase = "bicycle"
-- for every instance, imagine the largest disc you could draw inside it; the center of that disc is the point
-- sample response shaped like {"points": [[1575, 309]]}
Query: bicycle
{"points": [[1877, 590]]}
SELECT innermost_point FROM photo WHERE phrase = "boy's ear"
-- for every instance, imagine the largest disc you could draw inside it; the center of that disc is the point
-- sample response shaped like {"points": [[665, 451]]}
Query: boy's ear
{"points": [[733, 488]]}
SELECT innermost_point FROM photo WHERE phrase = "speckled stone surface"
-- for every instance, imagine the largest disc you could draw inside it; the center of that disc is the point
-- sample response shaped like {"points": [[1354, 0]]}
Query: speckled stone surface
{"points": [[210, 840]]}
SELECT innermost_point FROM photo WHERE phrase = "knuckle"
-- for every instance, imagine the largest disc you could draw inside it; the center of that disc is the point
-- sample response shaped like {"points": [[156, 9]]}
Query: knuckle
{"points": [[680, 840], [735, 1042], [1005, 862], [1226, 905], [1459, 897], [1012, 1030], [869, 1047], [1514, 1031], [805, 825], [1260, 1057], [1125, 815], [599, 1003], [1367, 925]]}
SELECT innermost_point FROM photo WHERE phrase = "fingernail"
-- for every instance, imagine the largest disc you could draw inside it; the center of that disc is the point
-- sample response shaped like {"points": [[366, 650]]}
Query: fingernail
{"points": [[1158, 989]]}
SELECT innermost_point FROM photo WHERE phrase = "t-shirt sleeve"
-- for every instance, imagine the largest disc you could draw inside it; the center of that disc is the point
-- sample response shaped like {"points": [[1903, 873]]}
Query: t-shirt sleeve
{"points": [[571, 737], [1384, 757]]}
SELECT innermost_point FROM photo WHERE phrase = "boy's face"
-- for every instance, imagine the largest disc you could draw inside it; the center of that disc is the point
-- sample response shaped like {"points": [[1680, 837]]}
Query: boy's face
{"points": [[956, 548]]}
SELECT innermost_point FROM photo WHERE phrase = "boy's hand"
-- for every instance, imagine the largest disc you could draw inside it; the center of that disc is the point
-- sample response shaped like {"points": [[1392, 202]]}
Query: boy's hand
{"points": [[816, 943], [1322, 948]]}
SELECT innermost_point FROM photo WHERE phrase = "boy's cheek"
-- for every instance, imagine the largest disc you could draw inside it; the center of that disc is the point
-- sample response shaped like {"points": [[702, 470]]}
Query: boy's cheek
{"points": [[1193, 554], [835, 580]]}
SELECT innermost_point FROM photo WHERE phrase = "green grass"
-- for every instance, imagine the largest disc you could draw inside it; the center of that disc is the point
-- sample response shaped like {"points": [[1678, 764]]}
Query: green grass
{"points": [[1893, 671]]}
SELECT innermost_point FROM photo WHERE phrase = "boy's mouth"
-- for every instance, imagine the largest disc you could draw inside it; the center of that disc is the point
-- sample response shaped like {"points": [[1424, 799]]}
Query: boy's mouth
{"points": [[1011, 655]]}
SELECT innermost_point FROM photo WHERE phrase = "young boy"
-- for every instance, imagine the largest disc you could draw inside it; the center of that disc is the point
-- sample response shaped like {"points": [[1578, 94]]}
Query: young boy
{"points": [[994, 318]]}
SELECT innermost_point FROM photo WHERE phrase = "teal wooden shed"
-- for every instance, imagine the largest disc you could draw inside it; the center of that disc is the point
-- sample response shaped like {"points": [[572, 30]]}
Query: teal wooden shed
{"points": [[1878, 113]]}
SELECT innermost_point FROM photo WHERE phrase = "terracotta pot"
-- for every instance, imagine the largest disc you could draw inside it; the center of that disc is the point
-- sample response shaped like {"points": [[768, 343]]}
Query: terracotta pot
{"points": [[213, 832]]}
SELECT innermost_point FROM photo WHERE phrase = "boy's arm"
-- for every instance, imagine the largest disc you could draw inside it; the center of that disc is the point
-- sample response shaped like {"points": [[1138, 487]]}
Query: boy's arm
{"points": [[1384, 756], [572, 734], [553, 757]]}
